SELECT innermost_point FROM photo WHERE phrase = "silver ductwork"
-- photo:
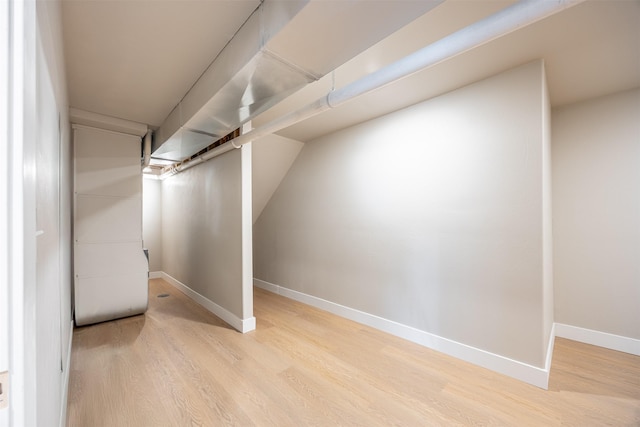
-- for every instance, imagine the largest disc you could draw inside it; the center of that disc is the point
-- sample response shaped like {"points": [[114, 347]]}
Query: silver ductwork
{"points": [[283, 46], [507, 20]]}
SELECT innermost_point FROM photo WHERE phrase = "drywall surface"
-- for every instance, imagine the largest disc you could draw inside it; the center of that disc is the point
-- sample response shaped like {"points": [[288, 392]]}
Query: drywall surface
{"points": [[202, 230], [272, 156], [596, 190], [48, 286], [430, 217], [53, 189], [152, 221]]}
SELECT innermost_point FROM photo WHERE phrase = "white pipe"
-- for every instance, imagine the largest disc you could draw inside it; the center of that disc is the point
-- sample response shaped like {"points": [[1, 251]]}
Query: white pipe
{"points": [[221, 149], [510, 19], [191, 163]]}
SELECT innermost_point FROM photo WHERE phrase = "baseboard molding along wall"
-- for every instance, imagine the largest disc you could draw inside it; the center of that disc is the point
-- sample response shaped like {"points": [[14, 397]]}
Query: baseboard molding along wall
{"points": [[530, 374], [533, 375], [601, 339], [65, 379], [241, 325]]}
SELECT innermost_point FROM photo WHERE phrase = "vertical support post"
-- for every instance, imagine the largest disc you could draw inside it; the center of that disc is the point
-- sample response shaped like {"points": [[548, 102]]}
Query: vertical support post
{"points": [[248, 321]]}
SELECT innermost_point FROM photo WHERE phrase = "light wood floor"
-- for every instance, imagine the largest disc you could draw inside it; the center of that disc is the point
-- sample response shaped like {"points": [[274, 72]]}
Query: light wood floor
{"points": [[178, 365]]}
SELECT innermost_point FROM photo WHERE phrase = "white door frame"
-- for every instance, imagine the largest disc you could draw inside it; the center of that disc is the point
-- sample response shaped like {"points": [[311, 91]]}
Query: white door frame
{"points": [[17, 222], [4, 194]]}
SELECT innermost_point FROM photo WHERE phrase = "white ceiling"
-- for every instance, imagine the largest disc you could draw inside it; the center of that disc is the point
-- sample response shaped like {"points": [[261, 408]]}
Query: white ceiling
{"points": [[135, 59]]}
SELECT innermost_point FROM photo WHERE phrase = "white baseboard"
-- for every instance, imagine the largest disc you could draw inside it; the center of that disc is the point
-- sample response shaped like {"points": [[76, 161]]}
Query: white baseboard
{"points": [[524, 372], [601, 339], [155, 275], [242, 325], [65, 379]]}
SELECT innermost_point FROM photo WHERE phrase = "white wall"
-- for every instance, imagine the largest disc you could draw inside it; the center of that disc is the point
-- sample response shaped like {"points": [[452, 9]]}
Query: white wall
{"points": [[152, 222], [48, 256], [272, 156], [53, 218], [204, 226], [431, 217], [39, 217], [596, 207]]}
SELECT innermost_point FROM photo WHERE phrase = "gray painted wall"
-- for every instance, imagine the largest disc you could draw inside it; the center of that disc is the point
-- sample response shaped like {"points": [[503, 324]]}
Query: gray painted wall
{"points": [[152, 221], [272, 156], [202, 230], [431, 216], [596, 199]]}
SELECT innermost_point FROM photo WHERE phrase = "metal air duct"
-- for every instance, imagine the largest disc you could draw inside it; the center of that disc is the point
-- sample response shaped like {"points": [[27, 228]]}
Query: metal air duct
{"points": [[283, 46]]}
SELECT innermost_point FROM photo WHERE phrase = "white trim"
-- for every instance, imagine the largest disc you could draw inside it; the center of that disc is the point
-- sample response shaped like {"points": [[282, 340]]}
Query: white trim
{"points": [[524, 372], [601, 339], [108, 131], [155, 275], [242, 325], [5, 177], [266, 286], [22, 203], [65, 380], [95, 120]]}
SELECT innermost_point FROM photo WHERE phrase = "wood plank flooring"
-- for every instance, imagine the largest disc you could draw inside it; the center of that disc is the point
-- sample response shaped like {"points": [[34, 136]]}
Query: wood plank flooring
{"points": [[179, 365]]}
